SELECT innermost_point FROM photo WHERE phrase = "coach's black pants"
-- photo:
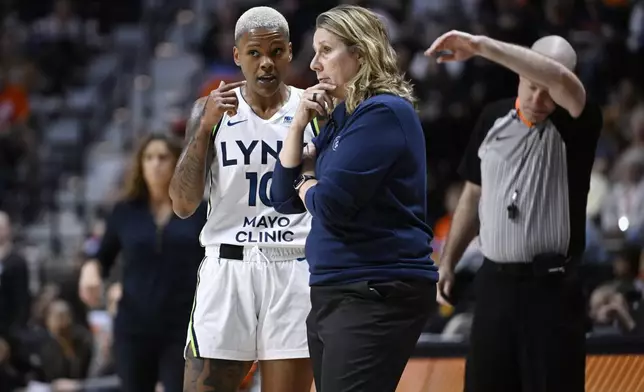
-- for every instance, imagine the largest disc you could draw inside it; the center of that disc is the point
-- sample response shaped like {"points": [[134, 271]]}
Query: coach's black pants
{"points": [[528, 333], [142, 361], [361, 335]]}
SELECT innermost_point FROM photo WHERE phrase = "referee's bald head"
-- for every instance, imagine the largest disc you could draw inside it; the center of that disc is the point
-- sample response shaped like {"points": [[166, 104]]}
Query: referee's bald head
{"points": [[558, 49]]}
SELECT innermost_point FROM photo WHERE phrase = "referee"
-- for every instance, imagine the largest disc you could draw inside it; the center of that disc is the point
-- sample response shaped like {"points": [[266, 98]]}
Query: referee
{"points": [[527, 171]]}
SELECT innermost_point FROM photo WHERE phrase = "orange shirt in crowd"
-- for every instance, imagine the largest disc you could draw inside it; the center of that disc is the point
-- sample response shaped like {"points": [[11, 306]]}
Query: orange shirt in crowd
{"points": [[442, 227], [14, 105]]}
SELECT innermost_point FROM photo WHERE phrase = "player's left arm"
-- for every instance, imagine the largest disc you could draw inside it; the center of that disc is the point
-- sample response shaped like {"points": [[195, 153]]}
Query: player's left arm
{"points": [[188, 183]]}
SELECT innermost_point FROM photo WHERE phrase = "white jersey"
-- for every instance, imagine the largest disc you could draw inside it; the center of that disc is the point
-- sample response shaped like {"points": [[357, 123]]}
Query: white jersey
{"points": [[239, 210]]}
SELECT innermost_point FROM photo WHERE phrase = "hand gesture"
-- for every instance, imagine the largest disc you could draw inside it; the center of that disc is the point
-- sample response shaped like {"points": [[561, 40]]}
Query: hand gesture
{"points": [[90, 285], [220, 101], [315, 101], [460, 46], [444, 286]]}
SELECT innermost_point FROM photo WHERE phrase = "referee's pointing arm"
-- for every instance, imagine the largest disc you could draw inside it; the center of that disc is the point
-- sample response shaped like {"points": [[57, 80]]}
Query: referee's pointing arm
{"points": [[537, 64]]}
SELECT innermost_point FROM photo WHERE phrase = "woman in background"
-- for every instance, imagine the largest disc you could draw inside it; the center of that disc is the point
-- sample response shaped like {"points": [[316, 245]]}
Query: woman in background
{"points": [[160, 255]]}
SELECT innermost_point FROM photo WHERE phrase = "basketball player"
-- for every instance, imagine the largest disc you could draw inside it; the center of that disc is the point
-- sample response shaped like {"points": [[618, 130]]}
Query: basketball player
{"points": [[252, 296]]}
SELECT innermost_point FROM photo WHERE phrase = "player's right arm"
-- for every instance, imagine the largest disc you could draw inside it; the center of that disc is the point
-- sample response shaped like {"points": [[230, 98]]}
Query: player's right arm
{"points": [[189, 180]]}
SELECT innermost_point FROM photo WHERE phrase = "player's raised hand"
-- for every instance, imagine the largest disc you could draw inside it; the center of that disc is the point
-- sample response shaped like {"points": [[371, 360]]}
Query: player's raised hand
{"points": [[315, 101], [454, 46], [221, 100]]}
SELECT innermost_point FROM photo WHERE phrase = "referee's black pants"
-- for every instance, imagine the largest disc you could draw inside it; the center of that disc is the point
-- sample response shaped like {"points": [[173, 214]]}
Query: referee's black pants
{"points": [[361, 335], [528, 333]]}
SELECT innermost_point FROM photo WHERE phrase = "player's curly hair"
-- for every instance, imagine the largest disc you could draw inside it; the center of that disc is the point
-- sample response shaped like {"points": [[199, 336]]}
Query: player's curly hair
{"points": [[365, 33], [134, 185]]}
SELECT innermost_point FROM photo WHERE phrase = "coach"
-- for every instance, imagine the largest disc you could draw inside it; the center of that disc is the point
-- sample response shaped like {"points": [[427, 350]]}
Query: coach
{"points": [[527, 171], [372, 279]]}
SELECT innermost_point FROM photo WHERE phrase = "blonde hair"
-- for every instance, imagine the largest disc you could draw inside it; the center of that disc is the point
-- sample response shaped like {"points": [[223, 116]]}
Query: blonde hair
{"points": [[364, 33], [260, 18]]}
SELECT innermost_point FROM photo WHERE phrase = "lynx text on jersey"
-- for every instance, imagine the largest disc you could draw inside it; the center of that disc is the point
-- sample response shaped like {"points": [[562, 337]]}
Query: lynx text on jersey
{"points": [[272, 229], [246, 149]]}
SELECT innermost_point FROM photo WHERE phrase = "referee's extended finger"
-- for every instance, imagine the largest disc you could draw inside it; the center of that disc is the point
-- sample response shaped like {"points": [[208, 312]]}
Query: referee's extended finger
{"points": [[437, 45]]}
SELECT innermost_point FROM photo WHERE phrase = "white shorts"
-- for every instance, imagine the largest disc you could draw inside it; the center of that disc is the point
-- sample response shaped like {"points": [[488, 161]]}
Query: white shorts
{"points": [[248, 310]]}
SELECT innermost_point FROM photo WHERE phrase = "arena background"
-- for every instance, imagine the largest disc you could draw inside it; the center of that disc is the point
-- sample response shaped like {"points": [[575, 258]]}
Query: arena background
{"points": [[82, 81]]}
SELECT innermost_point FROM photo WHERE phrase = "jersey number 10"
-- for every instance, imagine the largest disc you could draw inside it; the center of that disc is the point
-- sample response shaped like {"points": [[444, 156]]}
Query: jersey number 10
{"points": [[262, 191]]}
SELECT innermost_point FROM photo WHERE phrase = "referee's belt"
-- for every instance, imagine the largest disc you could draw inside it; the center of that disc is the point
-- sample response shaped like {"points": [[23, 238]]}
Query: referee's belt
{"points": [[541, 265]]}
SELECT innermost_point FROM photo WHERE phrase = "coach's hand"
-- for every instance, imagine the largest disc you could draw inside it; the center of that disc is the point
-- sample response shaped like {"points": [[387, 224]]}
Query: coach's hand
{"points": [[90, 285], [221, 100], [315, 101], [445, 283], [454, 46]]}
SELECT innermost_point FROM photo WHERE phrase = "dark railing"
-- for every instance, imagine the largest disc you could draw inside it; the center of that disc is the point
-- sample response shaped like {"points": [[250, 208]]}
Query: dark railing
{"points": [[433, 346]]}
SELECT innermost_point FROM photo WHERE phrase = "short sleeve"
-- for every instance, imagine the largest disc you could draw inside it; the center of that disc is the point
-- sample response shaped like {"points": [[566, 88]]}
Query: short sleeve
{"points": [[582, 131], [470, 166]]}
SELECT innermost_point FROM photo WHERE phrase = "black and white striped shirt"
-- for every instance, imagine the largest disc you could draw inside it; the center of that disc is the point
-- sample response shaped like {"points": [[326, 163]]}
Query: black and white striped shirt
{"points": [[543, 169]]}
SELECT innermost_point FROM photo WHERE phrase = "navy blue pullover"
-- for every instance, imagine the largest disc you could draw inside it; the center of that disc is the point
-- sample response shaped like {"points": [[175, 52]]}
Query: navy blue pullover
{"points": [[369, 205], [159, 274]]}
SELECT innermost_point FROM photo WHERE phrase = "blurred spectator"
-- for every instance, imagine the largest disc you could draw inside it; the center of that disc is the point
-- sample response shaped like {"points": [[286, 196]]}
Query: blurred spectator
{"points": [[64, 348], [637, 127], [19, 69], [616, 306], [49, 293], [14, 283], [14, 104], [59, 41], [610, 311], [14, 112], [10, 378], [626, 268], [623, 209]]}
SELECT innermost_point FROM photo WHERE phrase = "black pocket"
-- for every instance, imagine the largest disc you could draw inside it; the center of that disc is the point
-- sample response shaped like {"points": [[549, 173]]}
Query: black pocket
{"points": [[394, 288], [368, 291]]}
